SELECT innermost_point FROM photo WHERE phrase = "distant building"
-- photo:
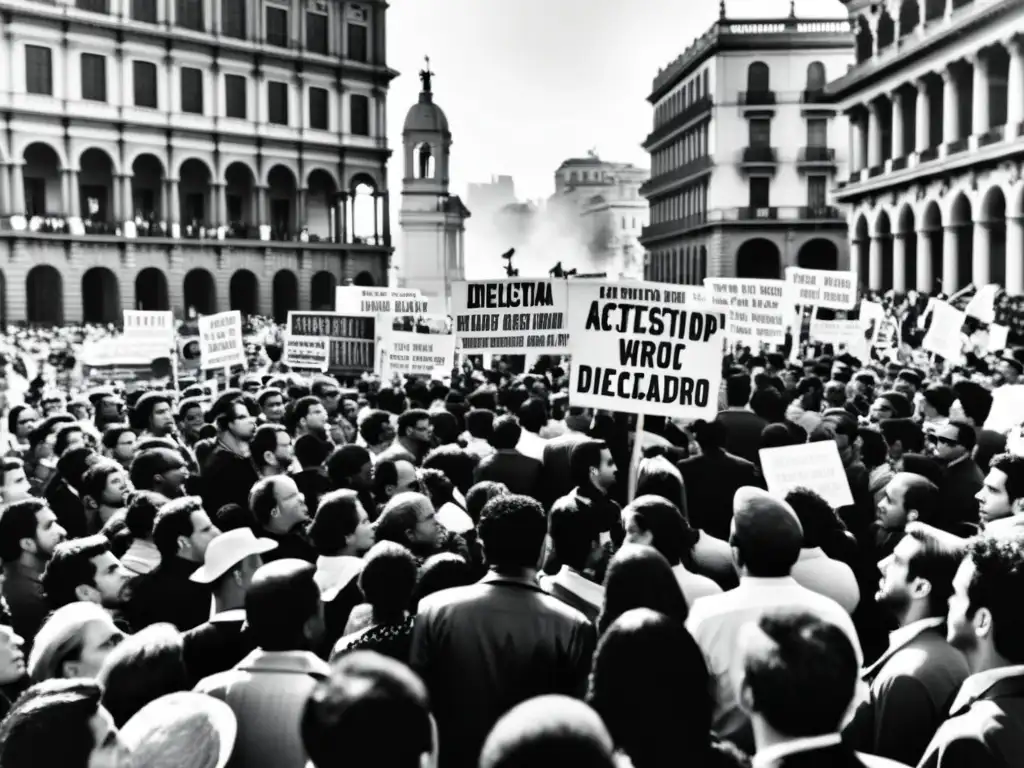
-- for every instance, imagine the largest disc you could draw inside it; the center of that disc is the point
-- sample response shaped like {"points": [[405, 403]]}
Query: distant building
{"points": [[936, 109], [743, 152], [487, 198], [431, 219]]}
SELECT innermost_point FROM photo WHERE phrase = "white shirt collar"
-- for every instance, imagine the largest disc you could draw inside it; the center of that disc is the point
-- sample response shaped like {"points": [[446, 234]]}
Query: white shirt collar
{"points": [[584, 588], [903, 635], [769, 756], [333, 574], [975, 685]]}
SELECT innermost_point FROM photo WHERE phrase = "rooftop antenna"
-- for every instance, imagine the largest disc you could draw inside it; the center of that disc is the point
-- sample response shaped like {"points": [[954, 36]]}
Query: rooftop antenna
{"points": [[792, 9], [721, 9], [426, 75]]}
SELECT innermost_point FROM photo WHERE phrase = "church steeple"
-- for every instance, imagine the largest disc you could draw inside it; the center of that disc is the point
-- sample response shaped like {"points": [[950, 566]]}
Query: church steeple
{"points": [[425, 78]]}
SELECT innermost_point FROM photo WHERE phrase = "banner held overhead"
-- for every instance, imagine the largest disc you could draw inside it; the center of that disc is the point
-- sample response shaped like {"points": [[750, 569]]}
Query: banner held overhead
{"points": [[511, 317]]}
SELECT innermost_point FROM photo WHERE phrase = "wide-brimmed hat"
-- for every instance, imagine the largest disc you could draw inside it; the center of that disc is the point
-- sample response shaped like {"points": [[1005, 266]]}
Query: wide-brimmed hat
{"points": [[228, 550]]}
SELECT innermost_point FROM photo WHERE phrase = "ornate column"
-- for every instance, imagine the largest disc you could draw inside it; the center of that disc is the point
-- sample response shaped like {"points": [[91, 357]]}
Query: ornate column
{"points": [[118, 213], [343, 217], [980, 255], [1014, 88], [72, 204], [950, 260], [1014, 255], [979, 104], [875, 263], [874, 137], [128, 199], [922, 118], [17, 201], [899, 261], [924, 261], [220, 205], [173, 205], [898, 150], [262, 206], [301, 209], [950, 107]]}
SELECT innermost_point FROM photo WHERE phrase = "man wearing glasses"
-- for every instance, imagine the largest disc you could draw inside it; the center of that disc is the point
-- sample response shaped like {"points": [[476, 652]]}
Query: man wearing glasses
{"points": [[951, 445]]}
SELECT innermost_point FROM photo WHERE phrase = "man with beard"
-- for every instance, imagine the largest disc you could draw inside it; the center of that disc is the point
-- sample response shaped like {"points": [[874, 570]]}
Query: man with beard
{"points": [[985, 728], [29, 532], [86, 570], [1001, 498], [913, 682], [906, 498], [161, 470], [105, 491]]}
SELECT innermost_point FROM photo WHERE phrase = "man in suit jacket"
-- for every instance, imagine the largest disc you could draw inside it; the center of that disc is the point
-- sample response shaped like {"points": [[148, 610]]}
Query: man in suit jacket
{"points": [[557, 475], [575, 543], [952, 445], [913, 683], [985, 728], [519, 473], [742, 426]]}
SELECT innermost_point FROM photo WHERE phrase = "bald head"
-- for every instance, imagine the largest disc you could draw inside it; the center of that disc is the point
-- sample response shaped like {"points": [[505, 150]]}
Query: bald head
{"points": [[766, 533], [531, 733], [282, 606]]}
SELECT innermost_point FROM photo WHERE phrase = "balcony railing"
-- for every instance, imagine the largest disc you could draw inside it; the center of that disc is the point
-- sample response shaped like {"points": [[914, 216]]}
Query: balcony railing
{"points": [[992, 136], [818, 155], [958, 146], [751, 214], [788, 215], [898, 163], [757, 98], [677, 174], [674, 123], [759, 156], [821, 213], [927, 155], [815, 97]]}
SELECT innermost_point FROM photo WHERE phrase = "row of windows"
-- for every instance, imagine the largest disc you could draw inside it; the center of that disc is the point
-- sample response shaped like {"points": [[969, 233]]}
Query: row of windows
{"points": [[761, 188], [760, 132], [39, 80], [697, 88], [689, 147], [686, 266], [687, 202], [190, 14]]}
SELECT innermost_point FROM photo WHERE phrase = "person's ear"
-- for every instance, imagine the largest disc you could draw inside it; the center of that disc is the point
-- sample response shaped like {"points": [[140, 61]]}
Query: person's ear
{"points": [[87, 593]]}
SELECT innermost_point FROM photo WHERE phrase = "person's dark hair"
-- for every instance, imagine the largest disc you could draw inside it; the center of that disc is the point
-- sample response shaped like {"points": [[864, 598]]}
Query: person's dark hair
{"points": [[14, 416], [95, 479], [147, 464], [442, 571], [366, 700], [437, 486], [670, 533], [769, 404], [311, 451], [506, 433], [966, 436], [975, 400], [874, 450], [710, 435], [923, 497], [584, 457], [141, 413], [997, 584], [454, 463], [337, 517], [265, 439], [172, 521], [651, 686], [71, 566], [141, 669], [446, 427], [480, 494], [51, 724], [279, 603], [640, 577], [371, 429], [388, 580], [512, 530], [385, 473], [533, 415], [141, 513], [73, 465], [345, 462], [187, 404], [936, 562], [45, 428], [64, 435], [300, 409], [817, 517], [19, 520], [1012, 466], [574, 532], [803, 679], [204, 446], [410, 419], [263, 499], [480, 423], [112, 435], [737, 390]]}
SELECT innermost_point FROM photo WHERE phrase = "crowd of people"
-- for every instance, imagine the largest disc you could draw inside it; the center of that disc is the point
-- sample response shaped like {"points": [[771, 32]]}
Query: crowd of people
{"points": [[298, 572]]}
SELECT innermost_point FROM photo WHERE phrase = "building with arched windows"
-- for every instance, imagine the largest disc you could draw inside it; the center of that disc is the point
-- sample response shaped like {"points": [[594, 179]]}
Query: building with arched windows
{"points": [[935, 102], [744, 151], [190, 155]]}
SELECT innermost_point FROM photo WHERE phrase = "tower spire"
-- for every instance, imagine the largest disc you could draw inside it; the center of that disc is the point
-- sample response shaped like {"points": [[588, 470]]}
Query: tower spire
{"points": [[426, 75]]}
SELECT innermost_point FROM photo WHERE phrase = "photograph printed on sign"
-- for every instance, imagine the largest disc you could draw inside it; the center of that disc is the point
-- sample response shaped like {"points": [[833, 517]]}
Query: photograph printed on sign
{"points": [[428, 324]]}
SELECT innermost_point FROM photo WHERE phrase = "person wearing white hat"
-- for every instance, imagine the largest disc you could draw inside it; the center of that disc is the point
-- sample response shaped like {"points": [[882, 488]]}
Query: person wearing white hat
{"points": [[181, 730], [229, 564]]}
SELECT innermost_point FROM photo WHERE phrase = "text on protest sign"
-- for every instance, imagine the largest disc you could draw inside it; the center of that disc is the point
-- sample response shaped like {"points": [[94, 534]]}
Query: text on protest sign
{"points": [[511, 316], [756, 309], [822, 288], [358, 301], [412, 353], [220, 340], [352, 339], [816, 466], [150, 334], [850, 334], [307, 352], [943, 336], [639, 348]]}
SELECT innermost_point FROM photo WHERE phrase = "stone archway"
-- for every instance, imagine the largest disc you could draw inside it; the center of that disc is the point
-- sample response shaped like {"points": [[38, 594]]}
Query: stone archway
{"points": [[759, 258], [818, 253], [200, 292], [244, 293], [321, 292], [101, 297], [286, 295], [44, 289], [151, 293], [364, 279]]}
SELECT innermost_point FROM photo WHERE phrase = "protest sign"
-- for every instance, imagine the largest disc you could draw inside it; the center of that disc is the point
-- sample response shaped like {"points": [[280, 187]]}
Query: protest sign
{"points": [[1007, 408], [359, 301], [816, 466], [307, 352], [352, 340], [416, 346], [943, 337], [982, 305], [220, 340], [149, 334], [848, 334], [822, 288], [511, 317], [756, 309], [639, 348]]}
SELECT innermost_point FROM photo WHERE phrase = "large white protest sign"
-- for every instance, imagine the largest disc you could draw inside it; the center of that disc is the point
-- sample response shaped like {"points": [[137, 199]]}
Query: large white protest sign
{"points": [[511, 317], [149, 333], [360, 301], [307, 352], [849, 334], [415, 346], [757, 311], [822, 288], [639, 348], [943, 336], [220, 340], [816, 466], [1007, 408]]}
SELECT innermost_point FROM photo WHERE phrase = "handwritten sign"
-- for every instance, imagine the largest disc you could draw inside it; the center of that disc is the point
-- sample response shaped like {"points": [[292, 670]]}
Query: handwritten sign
{"points": [[511, 316], [640, 348], [816, 466], [358, 301], [352, 340], [756, 310], [822, 288], [220, 340], [307, 352]]}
